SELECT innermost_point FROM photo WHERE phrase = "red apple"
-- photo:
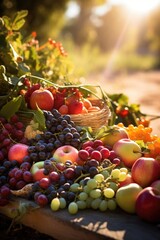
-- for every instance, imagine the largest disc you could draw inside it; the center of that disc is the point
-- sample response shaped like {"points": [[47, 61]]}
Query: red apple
{"points": [[156, 184], [42, 98], [113, 134], [148, 205], [145, 170], [17, 152], [37, 171], [128, 151], [64, 153]]}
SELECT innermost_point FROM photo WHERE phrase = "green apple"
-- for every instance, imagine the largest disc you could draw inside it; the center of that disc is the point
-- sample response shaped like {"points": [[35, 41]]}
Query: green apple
{"points": [[126, 197], [128, 151], [112, 134], [37, 171]]}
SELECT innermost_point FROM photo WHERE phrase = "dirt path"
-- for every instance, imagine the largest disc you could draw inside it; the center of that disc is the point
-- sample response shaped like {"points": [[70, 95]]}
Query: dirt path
{"points": [[142, 88]]}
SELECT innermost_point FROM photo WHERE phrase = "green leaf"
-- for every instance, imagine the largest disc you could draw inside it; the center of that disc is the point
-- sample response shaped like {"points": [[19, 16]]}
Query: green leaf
{"points": [[10, 108], [39, 117], [19, 20], [18, 24], [101, 131], [14, 80], [135, 107], [7, 22], [120, 98], [20, 14], [23, 68]]}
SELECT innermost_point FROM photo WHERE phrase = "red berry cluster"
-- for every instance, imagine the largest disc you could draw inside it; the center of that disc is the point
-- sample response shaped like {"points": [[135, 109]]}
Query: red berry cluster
{"points": [[122, 111], [57, 45]]}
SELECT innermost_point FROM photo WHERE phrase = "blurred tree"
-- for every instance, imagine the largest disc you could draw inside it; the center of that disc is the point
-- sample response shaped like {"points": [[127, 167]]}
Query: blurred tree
{"points": [[48, 16], [82, 27], [44, 16], [114, 25], [153, 33], [148, 38], [48, 19]]}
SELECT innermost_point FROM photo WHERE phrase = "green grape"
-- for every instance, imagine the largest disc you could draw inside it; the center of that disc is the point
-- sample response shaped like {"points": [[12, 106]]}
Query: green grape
{"points": [[81, 204], [62, 202], [123, 169], [105, 173], [115, 173], [73, 208], [89, 201], [92, 183], [112, 204], [74, 187], [95, 193], [55, 204], [113, 185], [86, 189], [82, 196], [103, 205], [108, 192], [96, 203], [122, 176], [99, 177]]}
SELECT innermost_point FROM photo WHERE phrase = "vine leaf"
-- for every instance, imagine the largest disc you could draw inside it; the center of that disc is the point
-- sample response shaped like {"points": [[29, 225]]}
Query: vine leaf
{"points": [[19, 20], [39, 117], [10, 108], [7, 22]]}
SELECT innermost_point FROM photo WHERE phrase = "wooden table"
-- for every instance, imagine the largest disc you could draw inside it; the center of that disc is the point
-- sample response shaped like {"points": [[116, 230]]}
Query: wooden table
{"points": [[85, 225]]}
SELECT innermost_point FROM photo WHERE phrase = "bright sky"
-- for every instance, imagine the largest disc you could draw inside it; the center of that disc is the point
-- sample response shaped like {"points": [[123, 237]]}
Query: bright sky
{"points": [[141, 7], [138, 6]]}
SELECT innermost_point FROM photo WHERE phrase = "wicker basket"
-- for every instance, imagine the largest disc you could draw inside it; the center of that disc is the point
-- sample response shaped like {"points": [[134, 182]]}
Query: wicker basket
{"points": [[95, 119]]}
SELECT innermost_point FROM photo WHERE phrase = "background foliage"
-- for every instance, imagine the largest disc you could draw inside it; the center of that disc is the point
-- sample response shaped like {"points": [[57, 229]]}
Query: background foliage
{"points": [[92, 37]]}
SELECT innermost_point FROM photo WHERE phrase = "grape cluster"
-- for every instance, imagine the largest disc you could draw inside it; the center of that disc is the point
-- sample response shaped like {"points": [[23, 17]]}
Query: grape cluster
{"points": [[60, 130], [90, 185], [77, 190], [19, 176], [11, 132], [4, 195], [13, 176], [97, 193], [5, 167]]}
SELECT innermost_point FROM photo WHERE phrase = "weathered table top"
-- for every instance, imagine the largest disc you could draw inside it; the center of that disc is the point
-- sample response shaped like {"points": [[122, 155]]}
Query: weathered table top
{"points": [[86, 224]]}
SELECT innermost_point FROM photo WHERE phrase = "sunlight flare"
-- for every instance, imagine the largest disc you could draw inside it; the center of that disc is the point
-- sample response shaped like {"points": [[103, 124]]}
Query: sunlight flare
{"points": [[140, 6]]}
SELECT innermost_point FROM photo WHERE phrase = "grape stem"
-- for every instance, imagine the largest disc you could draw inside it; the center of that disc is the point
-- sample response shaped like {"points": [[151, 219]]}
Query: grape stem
{"points": [[81, 176]]}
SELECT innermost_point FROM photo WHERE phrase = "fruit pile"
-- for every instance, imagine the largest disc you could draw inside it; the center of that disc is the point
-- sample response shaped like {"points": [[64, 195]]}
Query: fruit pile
{"points": [[46, 157], [58, 167], [66, 99]]}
